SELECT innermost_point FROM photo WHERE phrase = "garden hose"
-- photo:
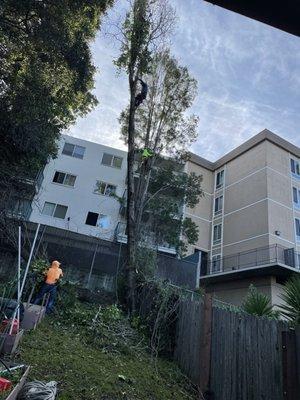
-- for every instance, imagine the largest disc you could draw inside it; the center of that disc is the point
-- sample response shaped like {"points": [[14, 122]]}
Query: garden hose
{"points": [[38, 390]]}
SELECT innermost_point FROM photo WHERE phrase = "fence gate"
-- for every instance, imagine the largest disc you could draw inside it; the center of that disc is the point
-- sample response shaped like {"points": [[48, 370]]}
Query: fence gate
{"points": [[290, 369]]}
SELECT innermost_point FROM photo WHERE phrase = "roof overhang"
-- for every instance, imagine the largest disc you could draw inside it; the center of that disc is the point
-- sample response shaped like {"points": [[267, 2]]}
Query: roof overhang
{"points": [[274, 269], [283, 15]]}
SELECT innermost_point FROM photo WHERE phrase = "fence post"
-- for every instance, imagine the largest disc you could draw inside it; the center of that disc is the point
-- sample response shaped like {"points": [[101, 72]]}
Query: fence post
{"points": [[297, 332], [205, 347]]}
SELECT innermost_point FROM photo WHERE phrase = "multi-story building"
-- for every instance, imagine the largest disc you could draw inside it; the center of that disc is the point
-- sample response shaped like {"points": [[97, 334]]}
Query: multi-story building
{"points": [[249, 217], [81, 187]]}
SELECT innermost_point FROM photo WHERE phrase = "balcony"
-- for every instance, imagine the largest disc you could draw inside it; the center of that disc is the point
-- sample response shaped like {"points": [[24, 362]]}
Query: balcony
{"points": [[34, 181], [270, 260], [19, 209], [121, 237]]}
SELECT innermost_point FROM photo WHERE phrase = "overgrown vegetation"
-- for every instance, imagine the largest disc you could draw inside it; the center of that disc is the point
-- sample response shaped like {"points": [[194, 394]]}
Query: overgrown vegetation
{"points": [[258, 304], [47, 78], [95, 353], [291, 298]]}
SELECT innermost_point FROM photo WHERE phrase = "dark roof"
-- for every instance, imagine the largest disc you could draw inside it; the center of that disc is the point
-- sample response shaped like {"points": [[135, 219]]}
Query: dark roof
{"points": [[284, 14]]}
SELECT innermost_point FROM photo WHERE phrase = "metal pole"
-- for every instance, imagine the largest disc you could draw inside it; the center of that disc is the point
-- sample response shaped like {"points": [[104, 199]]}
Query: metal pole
{"points": [[19, 273], [29, 259], [24, 278], [92, 265]]}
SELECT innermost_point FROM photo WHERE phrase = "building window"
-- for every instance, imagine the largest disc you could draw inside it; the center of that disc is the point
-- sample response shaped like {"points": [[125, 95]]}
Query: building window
{"points": [[105, 189], [64, 179], [217, 234], [218, 205], [296, 197], [55, 210], [297, 223], [220, 179], [95, 219], [295, 168], [216, 263], [111, 160], [73, 150], [92, 218]]}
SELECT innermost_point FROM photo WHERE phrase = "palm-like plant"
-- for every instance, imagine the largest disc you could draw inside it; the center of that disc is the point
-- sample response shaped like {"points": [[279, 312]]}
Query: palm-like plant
{"points": [[257, 303], [291, 297]]}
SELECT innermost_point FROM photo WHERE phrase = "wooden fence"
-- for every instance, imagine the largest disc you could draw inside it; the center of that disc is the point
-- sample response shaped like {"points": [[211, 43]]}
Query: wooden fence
{"points": [[248, 358]]}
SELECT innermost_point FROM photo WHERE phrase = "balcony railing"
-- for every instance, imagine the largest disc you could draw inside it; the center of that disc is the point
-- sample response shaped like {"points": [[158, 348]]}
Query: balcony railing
{"points": [[121, 236], [274, 254], [19, 209]]}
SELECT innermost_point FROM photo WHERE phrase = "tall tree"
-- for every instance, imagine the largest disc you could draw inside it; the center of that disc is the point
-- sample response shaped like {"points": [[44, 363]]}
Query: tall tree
{"points": [[146, 27], [161, 125], [46, 81]]}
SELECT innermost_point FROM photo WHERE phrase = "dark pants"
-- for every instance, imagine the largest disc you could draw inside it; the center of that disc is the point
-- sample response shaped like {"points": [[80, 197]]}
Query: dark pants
{"points": [[45, 289]]}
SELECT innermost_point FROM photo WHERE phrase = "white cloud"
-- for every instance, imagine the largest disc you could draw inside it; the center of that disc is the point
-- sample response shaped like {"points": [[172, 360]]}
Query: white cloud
{"points": [[248, 77]]}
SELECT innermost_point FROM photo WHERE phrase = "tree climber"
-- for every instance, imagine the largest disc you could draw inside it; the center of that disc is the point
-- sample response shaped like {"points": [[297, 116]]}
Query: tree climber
{"points": [[141, 96]]}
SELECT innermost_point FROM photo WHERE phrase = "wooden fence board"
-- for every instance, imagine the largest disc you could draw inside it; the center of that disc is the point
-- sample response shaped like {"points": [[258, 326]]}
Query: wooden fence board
{"points": [[245, 353]]}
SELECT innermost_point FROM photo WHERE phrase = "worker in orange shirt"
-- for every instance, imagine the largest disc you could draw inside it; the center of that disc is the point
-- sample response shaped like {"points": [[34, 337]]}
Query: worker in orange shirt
{"points": [[53, 274]]}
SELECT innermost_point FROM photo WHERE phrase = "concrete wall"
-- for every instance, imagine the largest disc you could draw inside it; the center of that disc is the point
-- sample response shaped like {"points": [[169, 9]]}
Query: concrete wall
{"points": [[80, 199], [234, 292], [202, 213]]}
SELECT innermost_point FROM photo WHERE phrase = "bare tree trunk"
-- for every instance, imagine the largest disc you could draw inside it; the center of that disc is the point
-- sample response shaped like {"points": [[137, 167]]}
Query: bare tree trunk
{"points": [[131, 239]]}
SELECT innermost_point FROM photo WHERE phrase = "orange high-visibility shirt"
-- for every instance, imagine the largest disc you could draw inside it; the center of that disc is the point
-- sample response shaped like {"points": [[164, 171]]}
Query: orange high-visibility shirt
{"points": [[53, 274]]}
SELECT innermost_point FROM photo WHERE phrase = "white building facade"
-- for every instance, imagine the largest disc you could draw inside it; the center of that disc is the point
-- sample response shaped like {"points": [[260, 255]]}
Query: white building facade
{"points": [[81, 189]]}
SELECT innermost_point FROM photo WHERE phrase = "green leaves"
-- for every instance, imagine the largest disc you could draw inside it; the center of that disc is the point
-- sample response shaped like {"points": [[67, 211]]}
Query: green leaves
{"points": [[291, 298], [257, 303], [46, 81]]}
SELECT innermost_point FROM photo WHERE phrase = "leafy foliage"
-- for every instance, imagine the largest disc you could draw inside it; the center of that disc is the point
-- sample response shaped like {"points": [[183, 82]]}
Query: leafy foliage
{"points": [[39, 267], [108, 357], [257, 303], [168, 191], [291, 297], [46, 82], [161, 123]]}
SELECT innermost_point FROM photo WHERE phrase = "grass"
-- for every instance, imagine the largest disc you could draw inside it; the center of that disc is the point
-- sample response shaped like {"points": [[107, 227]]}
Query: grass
{"points": [[88, 368]]}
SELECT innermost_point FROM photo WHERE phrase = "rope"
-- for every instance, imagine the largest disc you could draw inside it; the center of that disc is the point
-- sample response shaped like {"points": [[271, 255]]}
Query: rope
{"points": [[38, 390]]}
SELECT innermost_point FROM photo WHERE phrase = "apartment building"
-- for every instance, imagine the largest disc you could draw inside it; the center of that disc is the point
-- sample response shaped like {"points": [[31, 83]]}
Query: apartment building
{"points": [[80, 188], [249, 218]]}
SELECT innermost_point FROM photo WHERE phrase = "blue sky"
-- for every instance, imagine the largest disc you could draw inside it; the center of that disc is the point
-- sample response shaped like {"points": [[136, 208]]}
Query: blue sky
{"points": [[248, 79]]}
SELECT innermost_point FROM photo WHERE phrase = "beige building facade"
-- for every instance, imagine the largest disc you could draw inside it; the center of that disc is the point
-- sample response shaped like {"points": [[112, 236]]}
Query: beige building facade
{"points": [[249, 217]]}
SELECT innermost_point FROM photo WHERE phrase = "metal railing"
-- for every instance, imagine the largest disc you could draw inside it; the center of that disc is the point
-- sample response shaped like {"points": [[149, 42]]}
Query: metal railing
{"points": [[253, 258], [121, 236]]}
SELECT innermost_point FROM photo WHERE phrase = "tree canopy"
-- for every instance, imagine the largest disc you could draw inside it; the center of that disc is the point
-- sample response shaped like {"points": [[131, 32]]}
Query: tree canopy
{"points": [[46, 82], [46, 74]]}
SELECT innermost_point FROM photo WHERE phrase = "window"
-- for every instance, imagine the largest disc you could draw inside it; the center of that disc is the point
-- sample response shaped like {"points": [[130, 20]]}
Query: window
{"points": [[92, 218], [296, 197], [295, 167], [220, 179], [216, 263], [64, 179], [297, 223], [105, 189], [55, 210], [218, 205], [95, 219], [73, 150], [111, 160], [217, 233]]}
